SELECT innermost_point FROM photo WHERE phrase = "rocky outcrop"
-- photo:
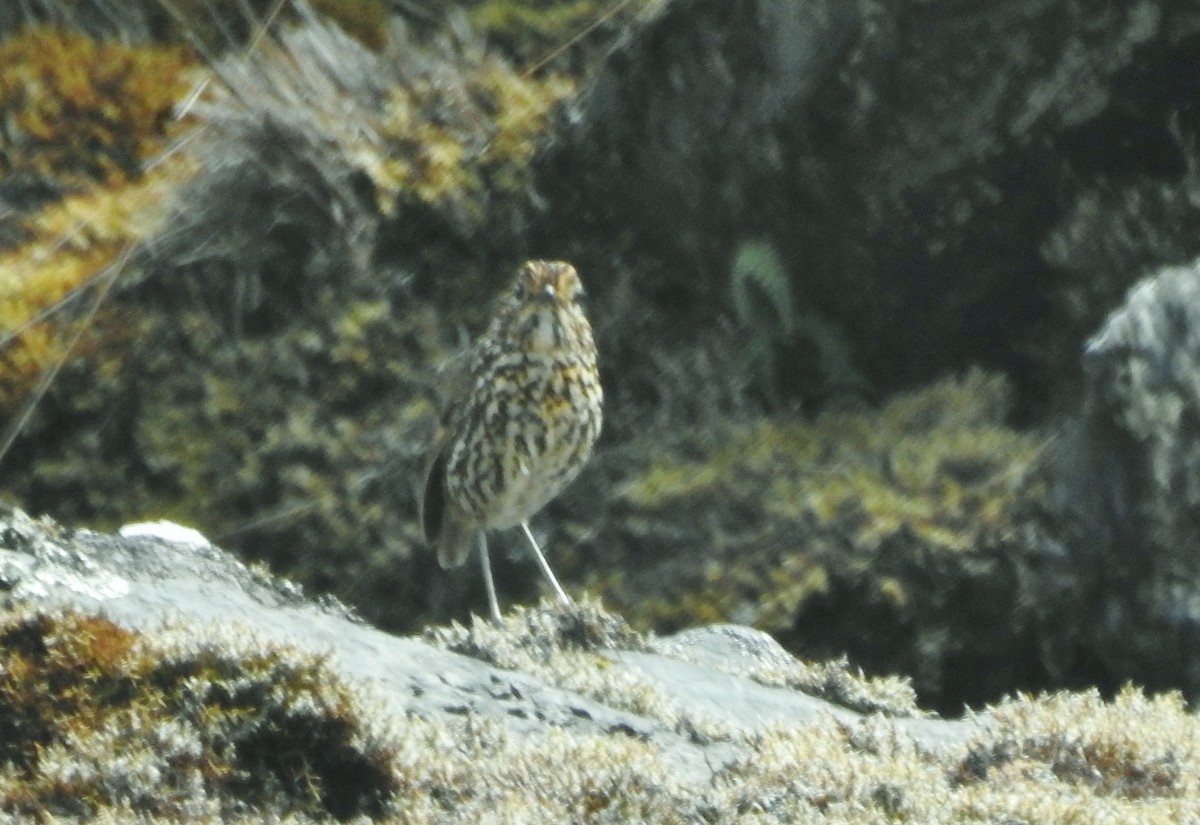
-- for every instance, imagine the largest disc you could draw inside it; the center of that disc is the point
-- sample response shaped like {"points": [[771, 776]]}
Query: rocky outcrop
{"points": [[180, 685], [1128, 492]]}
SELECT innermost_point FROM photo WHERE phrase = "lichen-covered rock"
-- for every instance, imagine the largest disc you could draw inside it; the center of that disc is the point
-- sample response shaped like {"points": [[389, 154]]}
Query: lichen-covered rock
{"points": [[1144, 388], [150, 676], [96, 717]]}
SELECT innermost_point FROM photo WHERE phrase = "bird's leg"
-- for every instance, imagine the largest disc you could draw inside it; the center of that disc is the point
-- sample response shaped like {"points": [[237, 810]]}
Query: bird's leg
{"points": [[493, 603], [541, 560]]}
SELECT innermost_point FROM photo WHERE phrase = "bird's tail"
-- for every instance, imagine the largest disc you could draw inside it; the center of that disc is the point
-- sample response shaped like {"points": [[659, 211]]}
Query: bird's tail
{"points": [[454, 544], [446, 528]]}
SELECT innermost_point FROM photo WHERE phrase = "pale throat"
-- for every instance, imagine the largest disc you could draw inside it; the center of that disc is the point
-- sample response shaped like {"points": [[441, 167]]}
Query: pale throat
{"points": [[547, 332]]}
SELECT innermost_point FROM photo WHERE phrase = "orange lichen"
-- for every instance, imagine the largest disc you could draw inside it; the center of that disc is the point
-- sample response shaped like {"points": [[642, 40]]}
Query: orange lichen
{"points": [[62, 663]]}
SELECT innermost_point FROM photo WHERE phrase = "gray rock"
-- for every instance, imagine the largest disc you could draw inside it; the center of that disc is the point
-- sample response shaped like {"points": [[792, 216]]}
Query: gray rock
{"points": [[141, 581], [1130, 482], [1144, 386], [558, 714]]}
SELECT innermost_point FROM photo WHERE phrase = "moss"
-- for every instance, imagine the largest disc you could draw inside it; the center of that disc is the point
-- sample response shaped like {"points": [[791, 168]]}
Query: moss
{"points": [[56, 674], [868, 774], [567, 647], [482, 773], [430, 135], [1128, 756], [93, 716], [67, 256], [77, 108], [937, 462], [665, 483], [81, 110], [1117, 749], [456, 146], [87, 115], [98, 723], [872, 532]]}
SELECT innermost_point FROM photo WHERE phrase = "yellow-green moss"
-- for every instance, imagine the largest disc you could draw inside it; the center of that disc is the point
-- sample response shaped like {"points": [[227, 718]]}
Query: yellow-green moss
{"points": [[93, 716], [69, 247], [529, 26], [436, 159], [938, 462], [74, 107], [87, 115], [935, 469]]}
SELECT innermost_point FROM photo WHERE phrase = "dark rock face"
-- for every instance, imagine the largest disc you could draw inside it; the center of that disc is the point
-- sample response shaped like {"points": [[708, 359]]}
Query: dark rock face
{"points": [[692, 113], [1131, 483], [942, 185], [927, 172]]}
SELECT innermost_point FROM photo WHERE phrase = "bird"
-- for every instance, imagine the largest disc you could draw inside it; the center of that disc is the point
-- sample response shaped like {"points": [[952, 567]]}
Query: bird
{"points": [[523, 424]]}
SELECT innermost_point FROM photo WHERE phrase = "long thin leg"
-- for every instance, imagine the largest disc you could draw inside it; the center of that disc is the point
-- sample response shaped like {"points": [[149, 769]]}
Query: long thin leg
{"points": [[493, 603], [541, 560]]}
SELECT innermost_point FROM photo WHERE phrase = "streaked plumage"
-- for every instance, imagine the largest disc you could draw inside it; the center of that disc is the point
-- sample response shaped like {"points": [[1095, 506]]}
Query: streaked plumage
{"points": [[524, 425]]}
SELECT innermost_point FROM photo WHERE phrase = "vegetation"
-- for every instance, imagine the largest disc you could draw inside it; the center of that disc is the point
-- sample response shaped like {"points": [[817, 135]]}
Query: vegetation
{"points": [[95, 718], [84, 118], [933, 471], [101, 724]]}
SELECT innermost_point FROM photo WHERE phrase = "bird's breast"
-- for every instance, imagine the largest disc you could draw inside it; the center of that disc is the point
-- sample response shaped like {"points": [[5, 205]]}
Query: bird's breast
{"points": [[542, 416]]}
